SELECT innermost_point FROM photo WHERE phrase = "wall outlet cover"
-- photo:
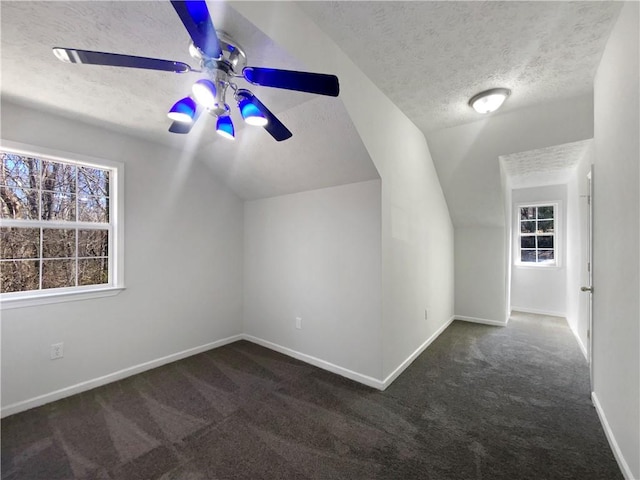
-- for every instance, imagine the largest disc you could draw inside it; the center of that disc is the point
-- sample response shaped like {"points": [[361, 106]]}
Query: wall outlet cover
{"points": [[57, 351]]}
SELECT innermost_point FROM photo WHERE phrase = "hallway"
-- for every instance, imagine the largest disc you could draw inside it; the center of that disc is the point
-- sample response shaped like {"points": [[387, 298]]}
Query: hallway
{"points": [[515, 398]]}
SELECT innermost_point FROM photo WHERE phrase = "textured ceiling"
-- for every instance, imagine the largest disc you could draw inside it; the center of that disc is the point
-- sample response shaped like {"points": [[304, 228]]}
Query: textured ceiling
{"points": [[134, 99], [323, 151], [429, 58], [543, 166], [313, 158]]}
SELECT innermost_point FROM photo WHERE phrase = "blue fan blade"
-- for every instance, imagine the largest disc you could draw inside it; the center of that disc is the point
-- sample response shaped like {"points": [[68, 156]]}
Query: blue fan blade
{"points": [[274, 126], [196, 19], [319, 83], [72, 55], [184, 127]]}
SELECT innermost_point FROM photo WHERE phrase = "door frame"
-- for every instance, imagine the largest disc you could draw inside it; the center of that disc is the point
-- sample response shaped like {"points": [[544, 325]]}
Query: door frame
{"points": [[589, 255]]}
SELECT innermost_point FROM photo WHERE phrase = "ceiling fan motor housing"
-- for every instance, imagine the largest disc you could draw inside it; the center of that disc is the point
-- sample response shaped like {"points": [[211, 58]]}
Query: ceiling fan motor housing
{"points": [[220, 70]]}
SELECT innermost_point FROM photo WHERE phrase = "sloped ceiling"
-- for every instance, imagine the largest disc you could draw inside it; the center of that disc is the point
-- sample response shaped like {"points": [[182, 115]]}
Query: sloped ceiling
{"points": [[544, 166], [324, 150], [427, 57], [430, 57]]}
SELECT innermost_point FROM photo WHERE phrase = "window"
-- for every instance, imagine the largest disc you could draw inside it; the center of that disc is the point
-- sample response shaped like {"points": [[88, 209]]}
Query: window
{"points": [[58, 225], [537, 234]]}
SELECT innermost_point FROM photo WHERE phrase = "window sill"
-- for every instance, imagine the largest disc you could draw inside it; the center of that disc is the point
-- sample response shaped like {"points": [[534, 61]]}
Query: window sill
{"points": [[57, 297], [537, 267]]}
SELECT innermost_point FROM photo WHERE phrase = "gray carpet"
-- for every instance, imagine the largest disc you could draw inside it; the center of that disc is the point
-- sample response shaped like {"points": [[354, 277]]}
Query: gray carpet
{"points": [[481, 403]]}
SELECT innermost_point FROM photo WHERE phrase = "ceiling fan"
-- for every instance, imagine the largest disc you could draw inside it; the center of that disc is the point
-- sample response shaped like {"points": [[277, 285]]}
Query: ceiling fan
{"points": [[221, 60]]}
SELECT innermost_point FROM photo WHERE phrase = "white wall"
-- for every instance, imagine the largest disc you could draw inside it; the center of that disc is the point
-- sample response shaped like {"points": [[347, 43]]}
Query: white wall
{"points": [[616, 269], [480, 274], [417, 234], [183, 267], [317, 255], [466, 158], [541, 289], [155, 317]]}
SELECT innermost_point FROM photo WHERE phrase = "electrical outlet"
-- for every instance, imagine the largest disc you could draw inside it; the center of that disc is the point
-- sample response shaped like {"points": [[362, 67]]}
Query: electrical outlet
{"points": [[57, 351], [299, 323], [426, 314]]}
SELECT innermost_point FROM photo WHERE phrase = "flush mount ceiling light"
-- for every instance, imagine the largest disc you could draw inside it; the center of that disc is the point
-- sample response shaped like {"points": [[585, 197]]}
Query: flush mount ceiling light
{"points": [[489, 100]]}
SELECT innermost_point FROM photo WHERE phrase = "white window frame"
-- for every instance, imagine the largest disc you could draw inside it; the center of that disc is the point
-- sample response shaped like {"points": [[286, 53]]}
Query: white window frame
{"points": [[116, 231], [557, 235]]}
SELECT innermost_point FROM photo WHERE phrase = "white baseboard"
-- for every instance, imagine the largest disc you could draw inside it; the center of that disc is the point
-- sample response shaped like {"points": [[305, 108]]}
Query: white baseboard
{"points": [[403, 366], [350, 374], [583, 349], [127, 372], [484, 321], [317, 362], [617, 453], [111, 377], [538, 312]]}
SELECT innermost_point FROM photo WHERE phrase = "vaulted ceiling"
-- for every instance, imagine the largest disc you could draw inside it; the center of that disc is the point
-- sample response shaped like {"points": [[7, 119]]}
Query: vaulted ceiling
{"points": [[325, 149], [427, 57]]}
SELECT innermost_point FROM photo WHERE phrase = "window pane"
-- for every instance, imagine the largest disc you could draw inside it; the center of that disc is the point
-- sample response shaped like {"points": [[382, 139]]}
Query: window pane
{"points": [[19, 275], [58, 242], [545, 212], [93, 271], [545, 226], [527, 213], [19, 171], [527, 227], [58, 273], [19, 243], [93, 209], [93, 182], [59, 177], [93, 243], [545, 241], [545, 256], [38, 255], [528, 241], [58, 206], [19, 203], [527, 255]]}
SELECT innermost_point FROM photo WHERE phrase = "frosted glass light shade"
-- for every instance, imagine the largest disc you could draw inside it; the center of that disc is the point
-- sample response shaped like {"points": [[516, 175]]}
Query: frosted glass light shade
{"points": [[489, 100]]}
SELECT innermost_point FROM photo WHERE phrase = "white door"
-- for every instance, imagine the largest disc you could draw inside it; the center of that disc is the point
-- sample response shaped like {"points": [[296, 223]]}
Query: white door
{"points": [[588, 288]]}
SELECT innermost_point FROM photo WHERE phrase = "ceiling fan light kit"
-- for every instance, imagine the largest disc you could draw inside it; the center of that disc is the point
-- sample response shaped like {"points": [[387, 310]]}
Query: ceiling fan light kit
{"points": [[221, 60], [204, 92], [224, 127], [489, 100], [250, 113], [183, 110]]}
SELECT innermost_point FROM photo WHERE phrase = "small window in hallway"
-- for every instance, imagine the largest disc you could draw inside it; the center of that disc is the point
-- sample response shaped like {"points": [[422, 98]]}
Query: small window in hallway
{"points": [[537, 235]]}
